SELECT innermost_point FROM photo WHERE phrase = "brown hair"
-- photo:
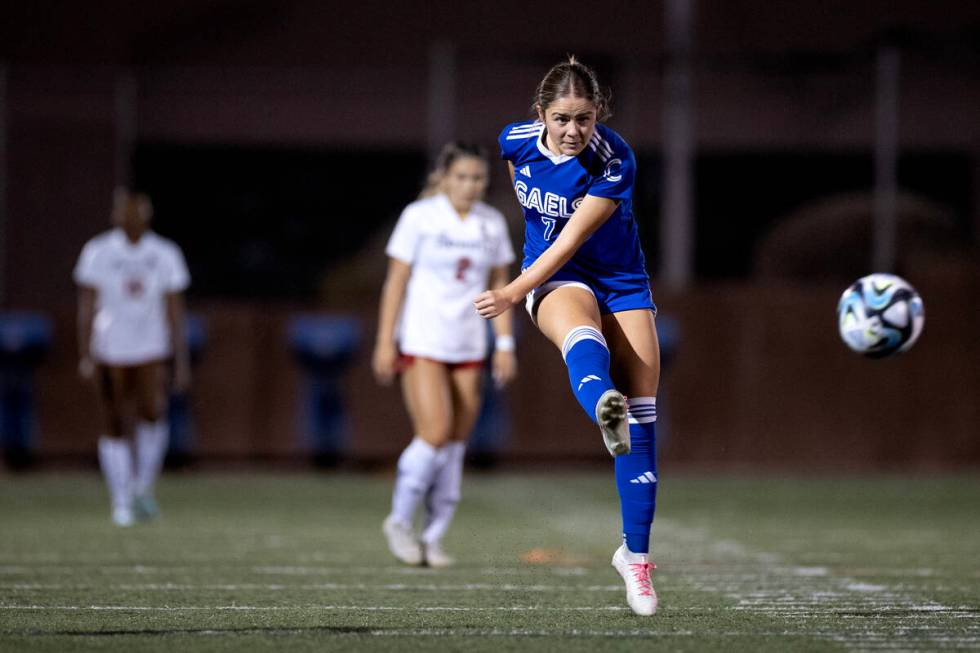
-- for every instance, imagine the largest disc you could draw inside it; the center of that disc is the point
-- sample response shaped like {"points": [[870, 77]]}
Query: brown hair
{"points": [[450, 153], [571, 78]]}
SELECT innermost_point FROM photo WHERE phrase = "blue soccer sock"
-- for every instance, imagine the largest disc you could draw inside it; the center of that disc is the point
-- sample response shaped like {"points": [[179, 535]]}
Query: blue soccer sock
{"points": [[587, 358], [636, 474]]}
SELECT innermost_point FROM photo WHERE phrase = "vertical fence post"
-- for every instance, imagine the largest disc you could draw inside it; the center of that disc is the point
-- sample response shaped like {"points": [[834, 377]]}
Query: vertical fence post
{"points": [[442, 96], [885, 233], [677, 221]]}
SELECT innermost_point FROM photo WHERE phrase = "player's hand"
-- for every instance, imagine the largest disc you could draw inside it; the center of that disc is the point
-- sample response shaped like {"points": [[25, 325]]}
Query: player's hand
{"points": [[504, 367], [383, 362], [182, 376], [491, 303], [86, 368]]}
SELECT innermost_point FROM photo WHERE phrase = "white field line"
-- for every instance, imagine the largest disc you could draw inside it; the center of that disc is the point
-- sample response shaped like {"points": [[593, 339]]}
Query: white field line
{"points": [[318, 587], [452, 632], [82, 569], [314, 608], [377, 608]]}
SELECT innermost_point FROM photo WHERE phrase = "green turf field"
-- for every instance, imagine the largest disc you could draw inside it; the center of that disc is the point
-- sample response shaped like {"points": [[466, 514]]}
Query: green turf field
{"points": [[296, 562]]}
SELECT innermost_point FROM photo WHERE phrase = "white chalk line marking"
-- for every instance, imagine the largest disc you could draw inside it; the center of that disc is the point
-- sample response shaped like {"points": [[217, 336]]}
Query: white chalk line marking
{"points": [[317, 587], [683, 568], [287, 608], [81, 569]]}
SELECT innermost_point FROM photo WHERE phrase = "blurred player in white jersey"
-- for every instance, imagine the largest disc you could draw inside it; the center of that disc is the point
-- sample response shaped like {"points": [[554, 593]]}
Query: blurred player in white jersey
{"points": [[130, 326], [447, 247]]}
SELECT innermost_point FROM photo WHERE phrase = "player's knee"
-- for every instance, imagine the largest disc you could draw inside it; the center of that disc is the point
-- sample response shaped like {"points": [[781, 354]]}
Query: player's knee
{"points": [[437, 440], [436, 435], [587, 334]]}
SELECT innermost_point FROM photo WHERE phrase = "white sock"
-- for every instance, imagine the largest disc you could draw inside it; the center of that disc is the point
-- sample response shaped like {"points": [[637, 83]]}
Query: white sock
{"points": [[416, 467], [634, 558], [152, 439], [445, 493], [116, 460]]}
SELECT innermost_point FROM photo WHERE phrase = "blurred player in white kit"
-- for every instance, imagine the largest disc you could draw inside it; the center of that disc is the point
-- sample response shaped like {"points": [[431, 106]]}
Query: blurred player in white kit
{"points": [[447, 247], [130, 327]]}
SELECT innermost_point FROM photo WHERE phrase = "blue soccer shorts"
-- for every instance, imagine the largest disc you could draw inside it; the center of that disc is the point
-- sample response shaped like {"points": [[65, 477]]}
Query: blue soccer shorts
{"points": [[622, 297]]}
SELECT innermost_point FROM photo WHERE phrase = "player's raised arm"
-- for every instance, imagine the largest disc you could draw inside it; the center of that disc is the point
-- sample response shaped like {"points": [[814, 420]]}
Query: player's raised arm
{"points": [[590, 215]]}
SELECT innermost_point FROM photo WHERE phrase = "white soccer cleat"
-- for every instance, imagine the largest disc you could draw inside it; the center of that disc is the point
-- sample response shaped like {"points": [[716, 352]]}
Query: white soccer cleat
{"points": [[123, 517], [610, 413], [402, 541], [635, 569], [435, 556]]}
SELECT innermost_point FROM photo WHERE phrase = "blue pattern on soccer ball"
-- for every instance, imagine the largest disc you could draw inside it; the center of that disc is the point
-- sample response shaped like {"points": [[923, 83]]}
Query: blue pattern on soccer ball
{"points": [[878, 298], [866, 311]]}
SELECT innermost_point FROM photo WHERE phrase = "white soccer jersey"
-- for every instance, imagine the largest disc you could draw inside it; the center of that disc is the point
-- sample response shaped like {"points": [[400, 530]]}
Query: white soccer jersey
{"points": [[131, 283], [451, 259]]}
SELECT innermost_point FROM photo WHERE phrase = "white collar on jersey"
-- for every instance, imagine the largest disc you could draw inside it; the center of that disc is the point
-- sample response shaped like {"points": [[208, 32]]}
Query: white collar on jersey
{"points": [[554, 158]]}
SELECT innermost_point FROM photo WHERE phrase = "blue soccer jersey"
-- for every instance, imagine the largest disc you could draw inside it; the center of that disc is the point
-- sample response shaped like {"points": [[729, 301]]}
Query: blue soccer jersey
{"points": [[550, 187]]}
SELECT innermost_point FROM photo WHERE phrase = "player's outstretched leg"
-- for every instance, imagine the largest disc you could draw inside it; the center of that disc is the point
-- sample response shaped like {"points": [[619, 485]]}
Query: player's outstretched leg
{"points": [[587, 357], [116, 461], [636, 479], [441, 505], [152, 439], [416, 468]]}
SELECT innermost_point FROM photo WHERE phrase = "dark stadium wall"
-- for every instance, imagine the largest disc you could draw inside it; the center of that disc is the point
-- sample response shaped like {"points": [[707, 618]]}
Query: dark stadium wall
{"points": [[760, 376]]}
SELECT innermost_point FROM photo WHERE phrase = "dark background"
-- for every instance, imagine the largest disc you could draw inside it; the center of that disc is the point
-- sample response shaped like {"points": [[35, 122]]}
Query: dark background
{"points": [[279, 141]]}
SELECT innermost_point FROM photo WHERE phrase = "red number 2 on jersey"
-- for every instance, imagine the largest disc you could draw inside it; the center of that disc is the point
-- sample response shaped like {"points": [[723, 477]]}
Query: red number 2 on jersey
{"points": [[462, 265]]}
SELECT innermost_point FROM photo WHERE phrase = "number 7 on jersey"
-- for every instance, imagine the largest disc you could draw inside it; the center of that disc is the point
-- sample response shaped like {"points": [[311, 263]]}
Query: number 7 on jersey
{"points": [[549, 226]]}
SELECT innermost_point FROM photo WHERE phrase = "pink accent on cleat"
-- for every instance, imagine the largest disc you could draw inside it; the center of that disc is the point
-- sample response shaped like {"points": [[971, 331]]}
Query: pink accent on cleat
{"points": [[641, 576], [640, 595]]}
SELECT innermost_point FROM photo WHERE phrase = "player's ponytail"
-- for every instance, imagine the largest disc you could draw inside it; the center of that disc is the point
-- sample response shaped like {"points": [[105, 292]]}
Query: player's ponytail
{"points": [[449, 154], [572, 78]]}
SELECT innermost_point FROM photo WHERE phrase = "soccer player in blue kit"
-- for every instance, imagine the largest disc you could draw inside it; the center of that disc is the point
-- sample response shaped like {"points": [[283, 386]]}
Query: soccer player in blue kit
{"points": [[586, 287]]}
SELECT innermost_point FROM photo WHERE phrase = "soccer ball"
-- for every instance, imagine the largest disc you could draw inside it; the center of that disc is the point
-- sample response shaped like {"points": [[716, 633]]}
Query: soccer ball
{"points": [[880, 315]]}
